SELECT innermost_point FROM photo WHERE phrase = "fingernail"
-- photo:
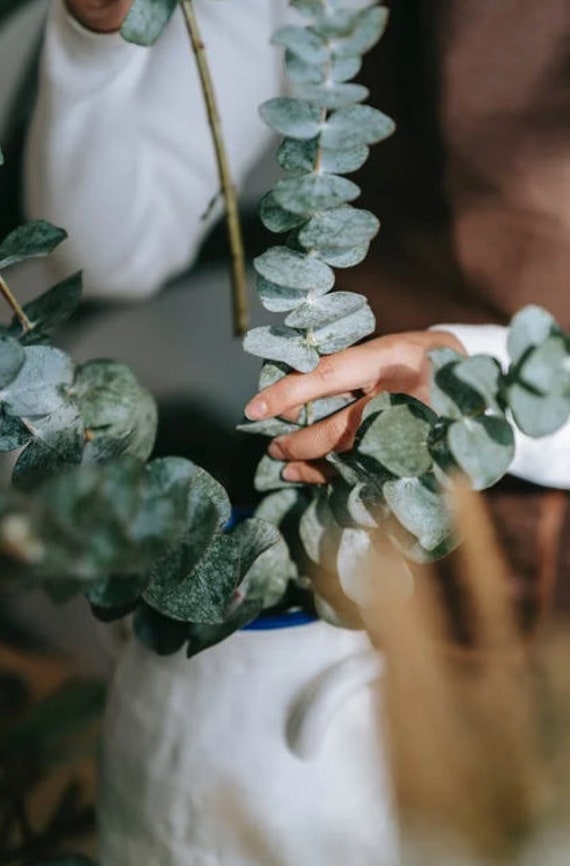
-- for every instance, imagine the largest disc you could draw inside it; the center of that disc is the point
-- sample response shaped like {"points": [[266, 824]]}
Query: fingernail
{"points": [[275, 450], [256, 410], [291, 473]]}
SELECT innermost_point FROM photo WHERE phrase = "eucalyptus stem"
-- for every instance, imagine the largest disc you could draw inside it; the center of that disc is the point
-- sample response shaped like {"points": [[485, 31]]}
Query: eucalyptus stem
{"points": [[239, 285], [15, 305]]}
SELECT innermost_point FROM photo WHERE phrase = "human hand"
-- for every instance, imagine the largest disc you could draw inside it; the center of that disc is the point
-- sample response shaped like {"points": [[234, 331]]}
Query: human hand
{"points": [[397, 363], [101, 16]]}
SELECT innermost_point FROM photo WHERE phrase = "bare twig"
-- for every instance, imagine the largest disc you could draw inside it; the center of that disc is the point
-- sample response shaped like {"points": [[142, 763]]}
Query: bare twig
{"points": [[15, 305], [239, 286]]}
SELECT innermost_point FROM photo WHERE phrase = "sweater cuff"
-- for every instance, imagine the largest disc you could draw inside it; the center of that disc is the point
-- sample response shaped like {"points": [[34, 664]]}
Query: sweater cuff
{"points": [[80, 61]]}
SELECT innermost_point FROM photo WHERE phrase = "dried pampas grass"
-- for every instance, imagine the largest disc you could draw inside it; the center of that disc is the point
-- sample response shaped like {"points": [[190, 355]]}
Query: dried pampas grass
{"points": [[479, 738]]}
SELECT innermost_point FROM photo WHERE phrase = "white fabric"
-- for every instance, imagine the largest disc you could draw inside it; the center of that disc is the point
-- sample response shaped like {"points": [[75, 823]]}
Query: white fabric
{"points": [[197, 770]]}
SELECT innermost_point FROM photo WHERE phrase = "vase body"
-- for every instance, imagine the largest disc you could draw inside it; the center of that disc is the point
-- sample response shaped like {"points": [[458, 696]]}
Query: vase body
{"points": [[197, 769]]}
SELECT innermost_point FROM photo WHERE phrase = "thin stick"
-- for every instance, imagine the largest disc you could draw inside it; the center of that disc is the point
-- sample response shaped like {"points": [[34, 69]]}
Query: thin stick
{"points": [[239, 286], [14, 304]]}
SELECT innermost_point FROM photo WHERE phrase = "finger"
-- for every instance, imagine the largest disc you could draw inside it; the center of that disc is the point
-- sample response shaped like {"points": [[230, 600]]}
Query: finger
{"points": [[318, 472], [353, 369], [335, 433]]}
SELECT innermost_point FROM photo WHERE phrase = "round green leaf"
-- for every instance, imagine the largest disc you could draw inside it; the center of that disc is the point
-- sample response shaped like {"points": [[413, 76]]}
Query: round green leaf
{"points": [[147, 20], [312, 192], [293, 270], [332, 96], [354, 127], [483, 448], [12, 357], [342, 333], [530, 327], [398, 439], [420, 509], [279, 343], [292, 117], [339, 228], [317, 312]]}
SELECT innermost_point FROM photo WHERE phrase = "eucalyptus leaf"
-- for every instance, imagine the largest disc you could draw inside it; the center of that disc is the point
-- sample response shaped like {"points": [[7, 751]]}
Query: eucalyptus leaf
{"points": [[319, 532], [420, 509], [344, 332], [332, 95], [50, 309], [483, 448], [353, 127], [269, 427], [42, 383], [398, 439], [158, 633], [266, 580], [547, 367], [357, 566], [112, 402], [279, 299], [202, 636], [12, 357], [268, 475], [300, 157], [147, 20], [320, 311], [344, 258], [13, 432], [483, 374], [32, 240], [279, 343], [313, 192], [538, 415], [255, 537], [272, 372], [303, 42], [292, 117], [42, 459], [293, 270], [116, 592], [276, 218], [339, 228], [529, 327], [302, 72], [368, 26]]}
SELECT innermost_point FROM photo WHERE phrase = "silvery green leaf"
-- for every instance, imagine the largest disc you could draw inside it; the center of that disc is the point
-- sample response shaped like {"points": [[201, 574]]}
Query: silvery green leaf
{"points": [[268, 475], [105, 448], [344, 332], [276, 218], [13, 433], [332, 95], [347, 258], [419, 509], [267, 579], [350, 505], [326, 406], [158, 633], [41, 384], [345, 67], [302, 72], [255, 537], [204, 486], [319, 532], [113, 402], [334, 23], [483, 448], [43, 458], [147, 20], [12, 357], [530, 327], [279, 299], [311, 192], [293, 270], [202, 593], [303, 42], [352, 127], [538, 415], [276, 507], [368, 27], [269, 427], [398, 439], [32, 240], [483, 374], [450, 396], [378, 404], [50, 310], [292, 117], [278, 343], [116, 592], [344, 161], [411, 548], [357, 565], [272, 372], [320, 311], [339, 228], [300, 157], [547, 367], [297, 156]]}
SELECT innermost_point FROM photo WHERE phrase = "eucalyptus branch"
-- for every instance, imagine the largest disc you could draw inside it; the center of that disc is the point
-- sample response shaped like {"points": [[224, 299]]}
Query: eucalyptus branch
{"points": [[239, 285], [13, 302]]}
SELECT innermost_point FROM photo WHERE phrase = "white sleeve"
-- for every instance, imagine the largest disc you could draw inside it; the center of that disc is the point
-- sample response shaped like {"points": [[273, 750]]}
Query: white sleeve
{"points": [[543, 461], [119, 151]]}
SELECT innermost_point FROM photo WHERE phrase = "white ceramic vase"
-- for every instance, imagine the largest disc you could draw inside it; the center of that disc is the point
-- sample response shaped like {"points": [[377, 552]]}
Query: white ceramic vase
{"points": [[261, 751]]}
